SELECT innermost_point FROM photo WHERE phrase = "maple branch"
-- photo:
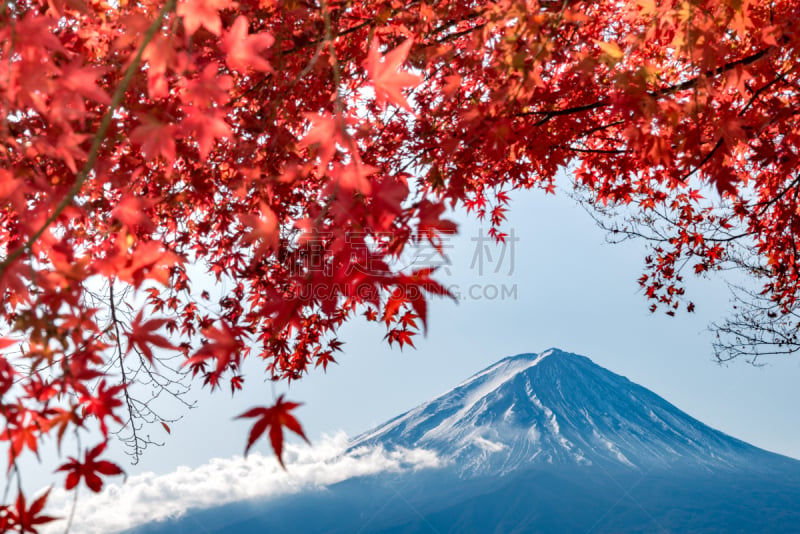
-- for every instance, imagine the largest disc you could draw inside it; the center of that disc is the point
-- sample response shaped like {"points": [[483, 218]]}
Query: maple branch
{"points": [[97, 140], [141, 409], [625, 233], [688, 84], [759, 329], [547, 115], [5, 5], [761, 89], [121, 355], [165, 382], [371, 21], [321, 42], [320, 45], [449, 22], [767, 203], [741, 113], [705, 160], [600, 128], [456, 35], [342, 33], [596, 150]]}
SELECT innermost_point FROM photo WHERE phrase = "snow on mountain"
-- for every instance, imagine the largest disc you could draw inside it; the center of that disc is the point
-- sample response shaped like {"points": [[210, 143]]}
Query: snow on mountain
{"points": [[557, 408], [544, 442]]}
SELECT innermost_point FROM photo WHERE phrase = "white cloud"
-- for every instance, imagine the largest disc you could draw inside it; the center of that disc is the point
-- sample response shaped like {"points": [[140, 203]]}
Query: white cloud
{"points": [[150, 497]]}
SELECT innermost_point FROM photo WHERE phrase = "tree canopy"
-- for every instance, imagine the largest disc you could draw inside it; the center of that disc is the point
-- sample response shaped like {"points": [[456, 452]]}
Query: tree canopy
{"points": [[294, 148]]}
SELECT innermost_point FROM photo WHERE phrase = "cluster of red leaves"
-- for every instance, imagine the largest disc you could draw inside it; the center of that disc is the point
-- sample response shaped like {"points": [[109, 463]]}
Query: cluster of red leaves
{"points": [[296, 148], [20, 518]]}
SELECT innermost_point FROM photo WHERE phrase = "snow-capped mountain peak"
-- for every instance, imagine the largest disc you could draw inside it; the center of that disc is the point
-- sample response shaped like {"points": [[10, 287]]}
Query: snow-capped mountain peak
{"points": [[582, 450], [555, 407]]}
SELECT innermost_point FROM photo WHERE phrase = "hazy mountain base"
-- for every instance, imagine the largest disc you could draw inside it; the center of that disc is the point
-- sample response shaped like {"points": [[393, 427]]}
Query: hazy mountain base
{"points": [[557, 500]]}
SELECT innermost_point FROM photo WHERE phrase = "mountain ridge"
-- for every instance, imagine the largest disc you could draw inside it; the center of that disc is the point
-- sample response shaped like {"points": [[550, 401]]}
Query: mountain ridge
{"points": [[547, 442], [558, 407]]}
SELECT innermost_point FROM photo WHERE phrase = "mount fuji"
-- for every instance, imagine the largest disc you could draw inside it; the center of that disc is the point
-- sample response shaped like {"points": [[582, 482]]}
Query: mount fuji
{"points": [[558, 408], [547, 442]]}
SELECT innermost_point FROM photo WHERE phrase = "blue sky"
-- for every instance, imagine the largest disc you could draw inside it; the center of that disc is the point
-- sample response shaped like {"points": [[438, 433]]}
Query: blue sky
{"points": [[573, 291]]}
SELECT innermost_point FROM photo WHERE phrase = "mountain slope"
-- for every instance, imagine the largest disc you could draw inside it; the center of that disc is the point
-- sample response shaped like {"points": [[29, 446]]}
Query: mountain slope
{"points": [[558, 408], [548, 443]]}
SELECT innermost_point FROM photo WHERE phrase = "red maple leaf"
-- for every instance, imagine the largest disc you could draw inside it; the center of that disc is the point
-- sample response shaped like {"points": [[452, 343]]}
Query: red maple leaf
{"points": [[6, 342], [209, 87], [205, 13], [325, 358], [400, 336], [387, 78], [23, 519], [323, 133], [207, 126], [265, 232], [354, 176], [224, 345], [143, 335], [62, 419], [431, 225], [236, 383], [274, 418], [22, 430], [83, 80], [156, 138], [103, 403], [132, 212], [244, 49], [89, 469], [148, 260]]}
